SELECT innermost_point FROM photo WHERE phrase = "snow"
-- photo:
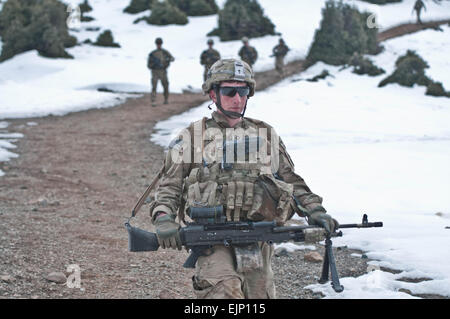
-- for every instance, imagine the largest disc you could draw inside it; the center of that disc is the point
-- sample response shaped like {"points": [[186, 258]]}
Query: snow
{"points": [[60, 86], [364, 149], [381, 151]]}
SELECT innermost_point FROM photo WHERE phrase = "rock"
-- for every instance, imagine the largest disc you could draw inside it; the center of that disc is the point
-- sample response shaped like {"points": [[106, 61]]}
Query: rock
{"points": [[57, 277], [166, 294], [7, 278], [314, 257], [42, 202], [281, 252]]}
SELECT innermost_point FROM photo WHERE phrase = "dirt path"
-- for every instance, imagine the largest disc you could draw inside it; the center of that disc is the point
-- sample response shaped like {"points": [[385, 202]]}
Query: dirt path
{"points": [[409, 28], [64, 200]]}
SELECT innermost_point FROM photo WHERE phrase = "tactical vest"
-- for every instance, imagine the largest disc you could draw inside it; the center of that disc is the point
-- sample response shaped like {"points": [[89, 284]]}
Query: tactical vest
{"points": [[247, 190]]}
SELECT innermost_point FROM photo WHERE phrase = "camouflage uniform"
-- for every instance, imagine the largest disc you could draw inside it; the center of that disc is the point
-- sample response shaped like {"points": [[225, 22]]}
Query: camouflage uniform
{"points": [[216, 275], [158, 61], [256, 190], [248, 54], [208, 58], [280, 52]]}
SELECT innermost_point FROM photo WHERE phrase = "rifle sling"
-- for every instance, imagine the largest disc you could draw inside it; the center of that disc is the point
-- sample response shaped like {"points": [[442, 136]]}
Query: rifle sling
{"points": [[147, 192]]}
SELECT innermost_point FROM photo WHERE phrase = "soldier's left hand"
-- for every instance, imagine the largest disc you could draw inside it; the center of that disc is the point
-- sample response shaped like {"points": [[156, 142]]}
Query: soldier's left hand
{"points": [[324, 220]]}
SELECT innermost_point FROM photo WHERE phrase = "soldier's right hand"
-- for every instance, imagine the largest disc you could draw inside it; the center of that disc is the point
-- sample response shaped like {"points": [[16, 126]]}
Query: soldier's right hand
{"points": [[167, 232]]}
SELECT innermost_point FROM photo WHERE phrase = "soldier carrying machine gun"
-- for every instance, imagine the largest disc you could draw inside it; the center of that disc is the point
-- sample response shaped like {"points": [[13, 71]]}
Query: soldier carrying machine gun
{"points": [[211, 228]]}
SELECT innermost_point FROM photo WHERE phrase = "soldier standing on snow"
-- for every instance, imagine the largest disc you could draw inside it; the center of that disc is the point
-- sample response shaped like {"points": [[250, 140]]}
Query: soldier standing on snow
{"points": [[158, 61], [209, 57], [247, 53], [279, 52]]}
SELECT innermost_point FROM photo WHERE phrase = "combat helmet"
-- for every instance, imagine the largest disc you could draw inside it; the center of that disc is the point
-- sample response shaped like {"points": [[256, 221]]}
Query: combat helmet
{"points": [[210, 41], [158, 41], [229, 70]]}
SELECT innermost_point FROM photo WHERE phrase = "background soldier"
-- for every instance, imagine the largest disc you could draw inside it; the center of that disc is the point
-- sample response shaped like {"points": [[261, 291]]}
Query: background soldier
{"points": [[247, 53], [247, 191], [208, 57], [158, 61], [279, 52], [418, 6]]}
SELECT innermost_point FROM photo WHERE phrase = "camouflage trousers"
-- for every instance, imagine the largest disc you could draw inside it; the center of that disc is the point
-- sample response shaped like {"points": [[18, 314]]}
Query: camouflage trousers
{"points": [[216, 276], [160, 75], [279, 65]]}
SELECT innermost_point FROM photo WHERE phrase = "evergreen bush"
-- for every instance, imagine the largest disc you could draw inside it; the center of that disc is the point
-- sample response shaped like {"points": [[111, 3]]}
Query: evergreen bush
{"points": [[343, 31], [35, 25], [240, 18], [362, 65], [164, 13], [85, 7], [196, 7], [436, 89], [137, 6], [410, 70], [382, 1], [105, 39]]}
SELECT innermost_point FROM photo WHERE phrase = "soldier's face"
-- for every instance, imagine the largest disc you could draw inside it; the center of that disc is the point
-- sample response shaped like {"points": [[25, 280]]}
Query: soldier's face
{"points": [[234, 103]]}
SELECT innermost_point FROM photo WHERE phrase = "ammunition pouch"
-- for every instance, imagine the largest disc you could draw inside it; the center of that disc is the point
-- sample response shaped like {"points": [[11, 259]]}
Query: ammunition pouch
{"points": [[248, 258]]}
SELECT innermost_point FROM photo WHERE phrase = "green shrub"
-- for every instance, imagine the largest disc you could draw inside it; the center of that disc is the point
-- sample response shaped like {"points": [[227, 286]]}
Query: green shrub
{"points": [[137, 6], [240, 18], [410, 70], [105, 39], [362, 65], [343, 31], [436, 89], [196, 7], [164, 13], [321, 76], [382, 1], [35, 25], [85, 7]]}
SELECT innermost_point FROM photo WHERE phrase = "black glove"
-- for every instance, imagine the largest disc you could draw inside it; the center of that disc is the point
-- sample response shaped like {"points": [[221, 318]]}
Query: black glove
{"points": [[322, 219]]}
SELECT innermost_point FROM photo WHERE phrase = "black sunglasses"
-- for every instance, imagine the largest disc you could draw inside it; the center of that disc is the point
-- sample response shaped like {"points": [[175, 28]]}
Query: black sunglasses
{"points": [[232, 90]]}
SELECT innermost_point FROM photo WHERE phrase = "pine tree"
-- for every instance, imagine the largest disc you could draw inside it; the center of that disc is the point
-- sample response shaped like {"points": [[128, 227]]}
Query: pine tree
{"points": [[240, 18], [105, 39], [164, 13], [35, 25], [343, 31], [196, 7], [137, 6], [410, 70]]}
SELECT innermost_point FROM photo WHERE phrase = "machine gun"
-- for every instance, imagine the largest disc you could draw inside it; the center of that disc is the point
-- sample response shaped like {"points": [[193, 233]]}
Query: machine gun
{"points": [[210, 228]]}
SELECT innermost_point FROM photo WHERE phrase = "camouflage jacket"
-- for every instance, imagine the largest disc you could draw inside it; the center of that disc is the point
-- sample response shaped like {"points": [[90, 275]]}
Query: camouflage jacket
{"points": [[280, 50], [159, 59], [192, 179], [248, 54], [208, 57]]}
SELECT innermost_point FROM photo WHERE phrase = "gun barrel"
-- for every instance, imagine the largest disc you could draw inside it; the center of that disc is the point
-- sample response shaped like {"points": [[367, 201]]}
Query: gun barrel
{"points": [[362, 225]]}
